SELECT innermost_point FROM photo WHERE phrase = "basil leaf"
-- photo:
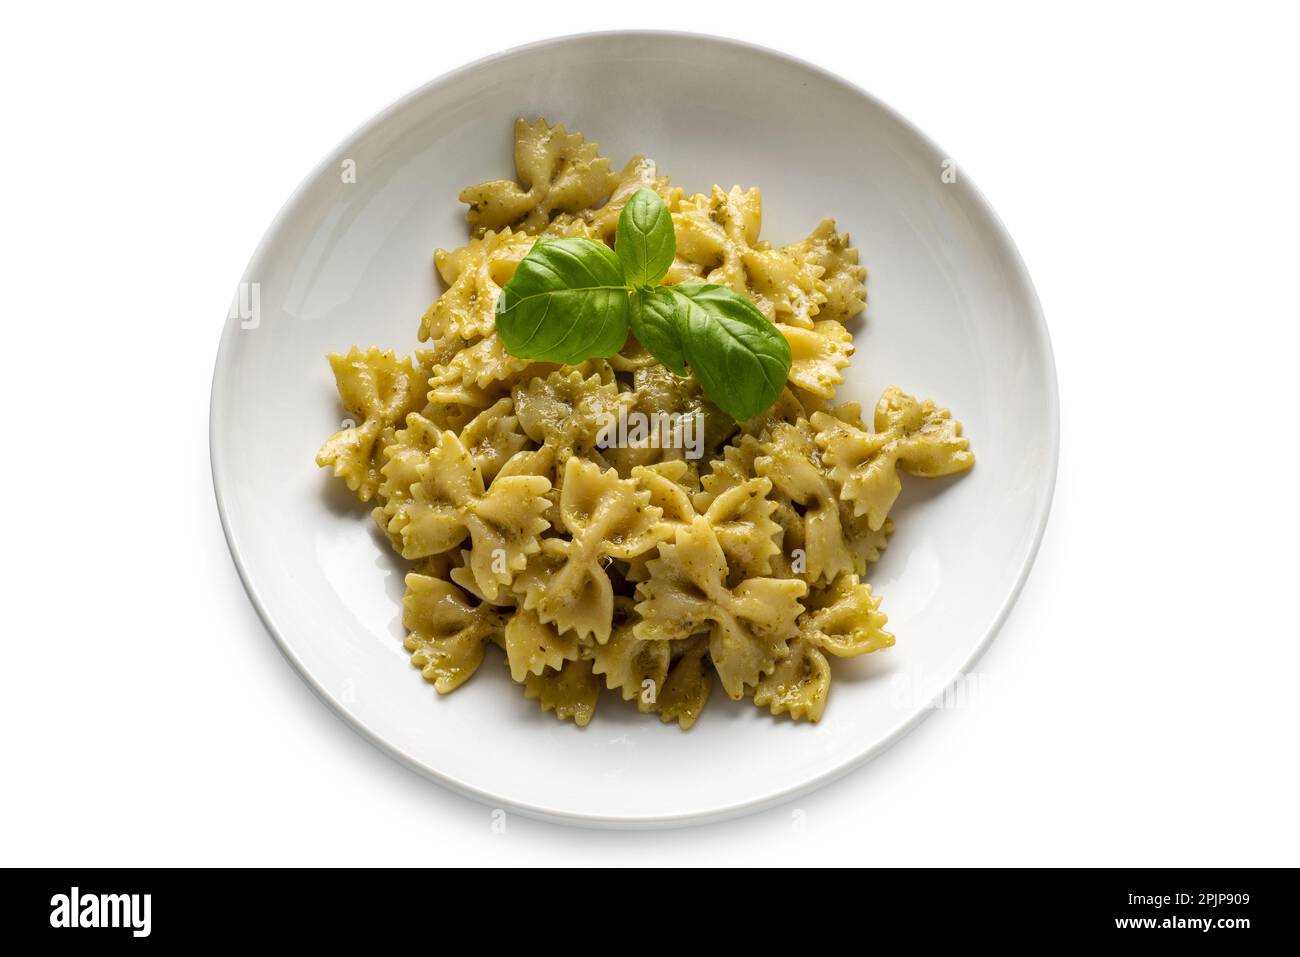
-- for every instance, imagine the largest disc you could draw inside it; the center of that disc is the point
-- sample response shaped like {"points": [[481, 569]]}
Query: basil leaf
{"points": [[739, 356], [566, 302], [645, 241], [657, 324]]}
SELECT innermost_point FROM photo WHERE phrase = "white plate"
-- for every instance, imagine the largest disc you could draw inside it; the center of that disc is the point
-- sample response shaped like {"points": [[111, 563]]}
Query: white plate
{"points": [[952, 315]]}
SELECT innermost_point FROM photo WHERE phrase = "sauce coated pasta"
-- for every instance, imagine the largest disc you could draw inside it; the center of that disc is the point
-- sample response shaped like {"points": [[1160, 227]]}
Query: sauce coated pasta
{"points": [[605, 524]]}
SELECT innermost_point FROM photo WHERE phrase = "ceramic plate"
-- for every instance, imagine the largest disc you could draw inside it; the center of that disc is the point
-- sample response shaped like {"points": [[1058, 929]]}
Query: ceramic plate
{"points": [[952, 315]]}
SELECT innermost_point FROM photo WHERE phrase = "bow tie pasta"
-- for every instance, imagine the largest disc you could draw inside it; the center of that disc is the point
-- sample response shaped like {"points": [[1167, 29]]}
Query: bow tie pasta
{"points": [[916, 436], [602, 517], [749, 626], [557, 171], [606, 525], [381, 391], [445, 632]]}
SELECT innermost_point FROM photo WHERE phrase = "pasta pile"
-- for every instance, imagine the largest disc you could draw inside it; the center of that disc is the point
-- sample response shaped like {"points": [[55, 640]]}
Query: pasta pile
{"points": [[632, 565]]}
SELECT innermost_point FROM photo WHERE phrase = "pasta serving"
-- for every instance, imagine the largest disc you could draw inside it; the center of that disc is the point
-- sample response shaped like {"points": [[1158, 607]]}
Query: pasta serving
{"points": [[606, 522]]}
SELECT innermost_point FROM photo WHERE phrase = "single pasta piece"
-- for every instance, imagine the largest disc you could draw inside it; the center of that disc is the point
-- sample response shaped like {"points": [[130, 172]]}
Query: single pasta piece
{"points": [[605, 517], [378, 390], [844, 618], [686, 689], [445, 633], [842, 281], [492, 437], [474, 275], [741, 519], [532, 645], [571, 692], [749, 626], [636, 668], [449, 503], [791, 462], [819, 354], [558, 172], [798, 685], [918, 437], [482, 365]]}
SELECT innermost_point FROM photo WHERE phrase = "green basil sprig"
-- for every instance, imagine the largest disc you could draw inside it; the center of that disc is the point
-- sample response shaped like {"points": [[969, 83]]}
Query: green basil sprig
{"points": [[575, 299]]}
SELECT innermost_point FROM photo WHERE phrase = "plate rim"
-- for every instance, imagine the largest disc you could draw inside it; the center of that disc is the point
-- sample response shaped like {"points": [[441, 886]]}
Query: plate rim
{"points": [[731, 810]]}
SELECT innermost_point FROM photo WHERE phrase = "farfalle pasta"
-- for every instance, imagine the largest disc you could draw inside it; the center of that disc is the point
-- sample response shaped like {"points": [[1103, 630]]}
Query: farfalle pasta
{"points": [[380, 390], [748, 626], [602, 517], [557, 172], [648, 560], [917, 437]]}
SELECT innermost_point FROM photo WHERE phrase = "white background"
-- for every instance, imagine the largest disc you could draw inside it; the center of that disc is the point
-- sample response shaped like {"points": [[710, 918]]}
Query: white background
{"points": [[1138, 706]]}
